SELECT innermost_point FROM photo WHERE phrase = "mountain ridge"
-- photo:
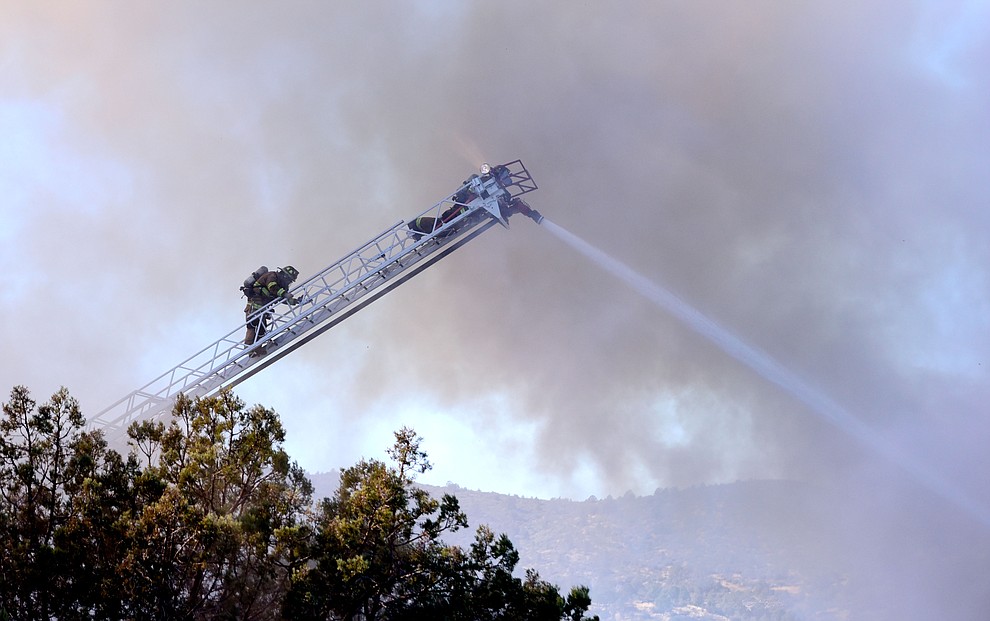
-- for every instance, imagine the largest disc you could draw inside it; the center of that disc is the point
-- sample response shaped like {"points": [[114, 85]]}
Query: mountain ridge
{"points": [[740, 550]]}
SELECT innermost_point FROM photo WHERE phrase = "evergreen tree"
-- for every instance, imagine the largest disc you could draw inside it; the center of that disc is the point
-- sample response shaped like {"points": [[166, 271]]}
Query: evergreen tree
{"points": [[208, 519], [218, 539], [93, 542], [377, 555], [35, 449]]}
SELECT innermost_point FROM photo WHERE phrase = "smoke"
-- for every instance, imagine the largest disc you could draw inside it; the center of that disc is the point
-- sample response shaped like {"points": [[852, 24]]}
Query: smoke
{"points": [[810, 177]]}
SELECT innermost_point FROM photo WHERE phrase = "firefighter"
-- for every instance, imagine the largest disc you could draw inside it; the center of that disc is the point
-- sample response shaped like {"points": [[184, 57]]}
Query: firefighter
{"points": [[272, 285], [424, 225]]}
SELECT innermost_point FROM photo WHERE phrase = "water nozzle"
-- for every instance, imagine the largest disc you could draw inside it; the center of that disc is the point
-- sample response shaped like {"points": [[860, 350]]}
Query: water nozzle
{"points": [[520, 206]]}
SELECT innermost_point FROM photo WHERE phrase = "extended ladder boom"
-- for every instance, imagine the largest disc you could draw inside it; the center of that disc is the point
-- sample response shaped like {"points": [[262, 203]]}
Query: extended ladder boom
{"points": [[335, 293]]}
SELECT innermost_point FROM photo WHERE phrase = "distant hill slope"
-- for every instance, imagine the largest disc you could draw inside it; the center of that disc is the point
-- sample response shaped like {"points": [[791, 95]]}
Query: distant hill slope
{"points": [[739, 551]]}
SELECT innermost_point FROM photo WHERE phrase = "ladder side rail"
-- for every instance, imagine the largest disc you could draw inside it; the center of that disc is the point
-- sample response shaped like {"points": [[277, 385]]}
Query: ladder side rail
{"points": [[163, 385], [368, 276], [147, 393], [183, 375], [401, 277], [355, 262], [365, 274], [157, 406], [360, 272], [332, 312], [172, 377], [362, 263], [288, 325], [152, 409], [179, 378], [398, 233], [296, 324], [118, 427], [345, 298]]}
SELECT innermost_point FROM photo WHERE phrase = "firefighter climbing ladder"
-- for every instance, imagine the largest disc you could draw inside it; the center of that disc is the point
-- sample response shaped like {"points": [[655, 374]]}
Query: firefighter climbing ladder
{"points": [[332, 295]]}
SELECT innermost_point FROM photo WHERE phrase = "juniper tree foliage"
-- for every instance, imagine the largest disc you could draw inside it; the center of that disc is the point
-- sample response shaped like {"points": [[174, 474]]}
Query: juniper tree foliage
{"points": [[207, 518], [61, 495], [377, 554], [34, 456], [224, 511], [204, 520]]}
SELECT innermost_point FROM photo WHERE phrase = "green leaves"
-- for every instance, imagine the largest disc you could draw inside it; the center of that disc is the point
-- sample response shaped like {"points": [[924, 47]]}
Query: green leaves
{"points": [[208, 518], [230, 496], [378, 554]]}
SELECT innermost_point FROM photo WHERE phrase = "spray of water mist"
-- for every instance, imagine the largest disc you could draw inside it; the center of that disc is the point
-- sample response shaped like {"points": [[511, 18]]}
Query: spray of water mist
{"points": [[771, 370]]}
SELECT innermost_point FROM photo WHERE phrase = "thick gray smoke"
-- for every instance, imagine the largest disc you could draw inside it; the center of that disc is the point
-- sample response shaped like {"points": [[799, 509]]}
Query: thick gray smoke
{"points": [[810, 176]]}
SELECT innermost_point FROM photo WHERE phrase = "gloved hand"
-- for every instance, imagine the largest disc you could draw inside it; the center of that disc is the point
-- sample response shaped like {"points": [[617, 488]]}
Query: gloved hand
{"points": [[292, 301]]}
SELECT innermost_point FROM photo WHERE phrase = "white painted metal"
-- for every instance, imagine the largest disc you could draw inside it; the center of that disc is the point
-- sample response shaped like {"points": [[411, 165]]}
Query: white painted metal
{"points": [[343, 288]]}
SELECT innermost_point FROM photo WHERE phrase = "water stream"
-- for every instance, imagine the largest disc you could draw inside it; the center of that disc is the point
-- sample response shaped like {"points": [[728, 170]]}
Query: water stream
{"points": [[771, 370]]}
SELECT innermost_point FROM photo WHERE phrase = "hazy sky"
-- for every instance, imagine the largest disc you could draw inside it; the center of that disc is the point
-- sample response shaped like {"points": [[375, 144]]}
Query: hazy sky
{"points": [[813, 176]]}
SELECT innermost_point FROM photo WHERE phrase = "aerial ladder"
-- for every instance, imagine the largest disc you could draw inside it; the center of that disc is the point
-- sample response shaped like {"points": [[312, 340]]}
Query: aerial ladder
{"points": [[332, 295]]}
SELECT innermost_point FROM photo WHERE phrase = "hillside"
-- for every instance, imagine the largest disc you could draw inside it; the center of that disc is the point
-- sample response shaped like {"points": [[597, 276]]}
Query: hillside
{"points": [[733, 551]]}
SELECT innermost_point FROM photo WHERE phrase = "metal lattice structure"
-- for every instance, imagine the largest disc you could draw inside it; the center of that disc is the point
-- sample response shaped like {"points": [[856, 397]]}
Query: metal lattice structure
{"points": [[340, 290]]}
